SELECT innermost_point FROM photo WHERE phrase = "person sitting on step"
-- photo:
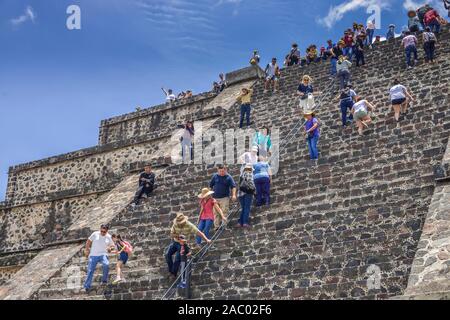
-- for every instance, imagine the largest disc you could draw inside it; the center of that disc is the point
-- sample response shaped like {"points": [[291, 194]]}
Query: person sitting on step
{"points": [[207, 207], [306, 92], [400, 98], [391, 32], [181, 226], [360, 111], [272, 72], [146, 184], [293, 58]]}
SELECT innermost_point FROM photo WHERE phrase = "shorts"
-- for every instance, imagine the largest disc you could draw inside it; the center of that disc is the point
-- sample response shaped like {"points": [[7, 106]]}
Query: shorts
{"points": [[398, 101], [360, 114], [272, 78], [123, 257]]}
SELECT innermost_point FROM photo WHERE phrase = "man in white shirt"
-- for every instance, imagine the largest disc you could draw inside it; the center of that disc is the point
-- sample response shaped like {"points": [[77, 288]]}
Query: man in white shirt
{"points": [[169, 95], [97, 247]]}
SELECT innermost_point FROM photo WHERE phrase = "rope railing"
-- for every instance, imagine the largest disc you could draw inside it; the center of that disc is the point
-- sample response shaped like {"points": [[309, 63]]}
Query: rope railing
{"points": [[235, 208]]}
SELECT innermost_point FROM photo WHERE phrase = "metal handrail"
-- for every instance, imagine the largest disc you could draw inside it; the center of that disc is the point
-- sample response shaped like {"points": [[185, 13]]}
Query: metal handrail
{"points": [[199, 255]]}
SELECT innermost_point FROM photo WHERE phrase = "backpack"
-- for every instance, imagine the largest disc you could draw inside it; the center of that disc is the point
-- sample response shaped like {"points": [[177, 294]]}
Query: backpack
{"points": [[430, 16], [246, 186], [430, 37], [128, 248]]}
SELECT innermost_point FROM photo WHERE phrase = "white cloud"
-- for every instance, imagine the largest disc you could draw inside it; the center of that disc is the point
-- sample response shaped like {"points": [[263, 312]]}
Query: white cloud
{"points": [[336, 13], [28, 15]]}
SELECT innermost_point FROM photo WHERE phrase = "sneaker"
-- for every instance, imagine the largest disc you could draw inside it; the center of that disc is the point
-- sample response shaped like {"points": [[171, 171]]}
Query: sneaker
{"points": [[265, 91], [87, 290], [182, 285], [239, 225], [117, 281], [246, 226]]}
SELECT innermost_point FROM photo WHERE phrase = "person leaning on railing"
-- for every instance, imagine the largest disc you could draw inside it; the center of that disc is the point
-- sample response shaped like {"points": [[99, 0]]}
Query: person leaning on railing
{"points": [[180, 226]]}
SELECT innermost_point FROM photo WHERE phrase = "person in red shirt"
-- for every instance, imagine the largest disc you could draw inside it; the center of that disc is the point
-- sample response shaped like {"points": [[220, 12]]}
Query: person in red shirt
{"points": [[431, 20], [207, 206], [348, 49]]}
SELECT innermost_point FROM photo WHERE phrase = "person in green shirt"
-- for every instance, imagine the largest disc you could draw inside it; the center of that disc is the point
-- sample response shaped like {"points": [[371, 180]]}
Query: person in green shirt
{"points": [[180, 226], [263, 142]]}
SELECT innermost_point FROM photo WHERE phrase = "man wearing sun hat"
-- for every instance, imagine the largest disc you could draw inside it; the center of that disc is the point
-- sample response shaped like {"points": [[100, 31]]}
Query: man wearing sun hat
{"points": [[180, 226]]}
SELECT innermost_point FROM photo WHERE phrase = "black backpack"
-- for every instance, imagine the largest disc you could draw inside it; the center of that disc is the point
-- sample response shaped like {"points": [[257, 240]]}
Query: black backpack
{"points": [[246, 186]]}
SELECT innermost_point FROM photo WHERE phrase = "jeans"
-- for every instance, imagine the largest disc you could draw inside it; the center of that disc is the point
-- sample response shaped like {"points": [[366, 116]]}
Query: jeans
{"points": [[140, 192], [359, 54], [93, 261], [187, 145], [345, 106], [262, 191], [312, 145], [174, 248], [369, 39], [246, 204], [344, 78], [245, 111], [204, 226], [333, 70], [435, 26], [348, 51], [409, 51], [429, 48]]}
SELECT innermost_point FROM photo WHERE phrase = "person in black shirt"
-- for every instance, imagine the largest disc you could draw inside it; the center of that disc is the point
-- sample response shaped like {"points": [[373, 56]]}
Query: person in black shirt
{"points": [[359, 50], [146, 183], [335, 52]]}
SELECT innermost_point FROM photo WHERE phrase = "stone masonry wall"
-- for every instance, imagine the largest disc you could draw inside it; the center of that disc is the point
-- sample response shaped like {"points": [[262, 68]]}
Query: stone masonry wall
{"points": [[160, 119], [44, 197]]}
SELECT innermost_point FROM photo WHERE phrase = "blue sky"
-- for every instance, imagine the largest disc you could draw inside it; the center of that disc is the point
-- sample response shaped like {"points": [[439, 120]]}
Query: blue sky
{"points": [[57, 85]]}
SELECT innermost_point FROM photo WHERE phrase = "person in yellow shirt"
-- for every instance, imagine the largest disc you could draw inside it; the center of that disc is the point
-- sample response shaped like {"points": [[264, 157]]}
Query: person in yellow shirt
{"points": [[245, 99]]}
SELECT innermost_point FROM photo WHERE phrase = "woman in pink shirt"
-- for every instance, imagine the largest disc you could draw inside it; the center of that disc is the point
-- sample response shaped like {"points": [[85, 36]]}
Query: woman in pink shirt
{"points": [[207, 206]]}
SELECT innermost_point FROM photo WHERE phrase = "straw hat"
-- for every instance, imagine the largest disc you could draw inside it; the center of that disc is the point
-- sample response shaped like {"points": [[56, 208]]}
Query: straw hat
{"points": [[180, 219], [205, 192], [309, 113], [248, 166]]}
